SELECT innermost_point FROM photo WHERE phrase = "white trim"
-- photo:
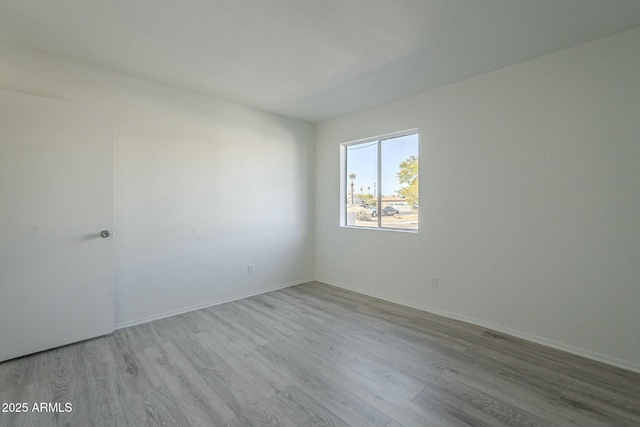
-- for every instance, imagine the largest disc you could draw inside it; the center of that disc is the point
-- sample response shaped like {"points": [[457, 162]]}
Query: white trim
{"points": [[396, 230], [613, 361], [382, 137], [207, 304], [343, 186]]}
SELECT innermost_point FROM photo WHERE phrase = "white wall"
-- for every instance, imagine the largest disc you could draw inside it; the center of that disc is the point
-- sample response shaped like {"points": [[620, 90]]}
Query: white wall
{"points": [[202, 188], [530, 198]]}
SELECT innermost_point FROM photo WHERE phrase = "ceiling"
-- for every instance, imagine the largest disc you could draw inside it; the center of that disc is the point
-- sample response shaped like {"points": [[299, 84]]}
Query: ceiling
{"points": [[308, 59]]}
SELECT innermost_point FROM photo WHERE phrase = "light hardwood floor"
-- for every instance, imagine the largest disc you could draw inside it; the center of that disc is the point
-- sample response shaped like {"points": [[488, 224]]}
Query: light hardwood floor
{"points": [[316, 355]]}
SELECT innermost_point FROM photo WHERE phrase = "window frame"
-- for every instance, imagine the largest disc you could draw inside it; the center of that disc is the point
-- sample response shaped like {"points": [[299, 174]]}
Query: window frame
{"points": [[344, 179]]}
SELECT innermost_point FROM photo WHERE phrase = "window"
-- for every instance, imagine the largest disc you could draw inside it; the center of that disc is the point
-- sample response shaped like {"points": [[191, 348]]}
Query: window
{"points": [[380, 182]]}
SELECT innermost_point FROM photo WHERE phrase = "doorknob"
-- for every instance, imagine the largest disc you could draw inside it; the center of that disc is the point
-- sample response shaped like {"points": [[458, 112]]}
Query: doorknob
{"points": [[105, 233]]}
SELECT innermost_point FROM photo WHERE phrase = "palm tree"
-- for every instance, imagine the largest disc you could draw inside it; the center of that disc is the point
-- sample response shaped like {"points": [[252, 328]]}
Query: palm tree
{"points": [[352, 176]]}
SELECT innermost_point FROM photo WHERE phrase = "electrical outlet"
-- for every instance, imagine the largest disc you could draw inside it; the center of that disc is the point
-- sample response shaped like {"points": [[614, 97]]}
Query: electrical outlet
{"points": [[434, 282], [250, 269]]}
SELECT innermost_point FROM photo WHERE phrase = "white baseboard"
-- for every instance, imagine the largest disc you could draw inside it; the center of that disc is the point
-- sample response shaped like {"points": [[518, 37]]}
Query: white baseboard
{"points": [[619, 363], [182, 310]]}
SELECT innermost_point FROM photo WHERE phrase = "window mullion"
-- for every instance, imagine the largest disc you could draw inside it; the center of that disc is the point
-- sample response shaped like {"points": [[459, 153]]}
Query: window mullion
{"points": [[379, 200], [346, 187]]}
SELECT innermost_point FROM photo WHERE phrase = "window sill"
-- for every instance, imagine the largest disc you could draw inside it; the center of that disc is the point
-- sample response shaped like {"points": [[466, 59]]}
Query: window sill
{"points": [[393, 229]]}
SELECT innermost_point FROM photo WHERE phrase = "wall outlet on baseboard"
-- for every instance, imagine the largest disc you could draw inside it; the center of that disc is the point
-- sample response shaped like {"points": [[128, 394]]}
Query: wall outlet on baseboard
{"points": [[434, 282], [250, 269]]}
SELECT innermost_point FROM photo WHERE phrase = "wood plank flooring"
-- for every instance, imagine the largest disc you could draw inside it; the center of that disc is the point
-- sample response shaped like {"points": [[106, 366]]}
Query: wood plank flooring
{"points": [[315, 355]]}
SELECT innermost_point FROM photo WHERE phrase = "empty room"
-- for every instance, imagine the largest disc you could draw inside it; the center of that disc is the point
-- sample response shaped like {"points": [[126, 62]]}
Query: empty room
{"points": [[320, 213]]}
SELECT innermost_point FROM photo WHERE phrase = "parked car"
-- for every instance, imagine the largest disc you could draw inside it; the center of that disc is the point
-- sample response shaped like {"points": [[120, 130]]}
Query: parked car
{"points": [[373, 211], [386, 211], [389, 211]]}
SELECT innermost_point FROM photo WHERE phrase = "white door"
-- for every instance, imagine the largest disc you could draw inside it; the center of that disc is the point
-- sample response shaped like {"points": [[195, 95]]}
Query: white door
{"points": [[56, 196]]}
